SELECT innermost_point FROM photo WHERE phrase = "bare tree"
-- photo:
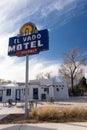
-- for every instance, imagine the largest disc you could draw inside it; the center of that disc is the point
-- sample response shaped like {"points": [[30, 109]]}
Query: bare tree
{"points": [[72, 67], [46, 75], [40, 76]]}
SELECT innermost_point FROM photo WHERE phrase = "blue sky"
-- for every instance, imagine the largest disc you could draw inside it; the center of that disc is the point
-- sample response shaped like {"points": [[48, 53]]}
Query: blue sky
{"points": [[66, 21]]}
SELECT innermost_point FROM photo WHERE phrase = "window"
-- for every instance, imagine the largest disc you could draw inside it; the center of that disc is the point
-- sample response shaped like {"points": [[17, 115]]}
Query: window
{"points": [[8, 92], [35, 93], [57, 89], [43, 96], [46, 90]]}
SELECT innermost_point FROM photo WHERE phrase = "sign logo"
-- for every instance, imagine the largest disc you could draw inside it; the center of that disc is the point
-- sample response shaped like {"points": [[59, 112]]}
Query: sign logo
{"points": [[31, 41], [28, 28]]}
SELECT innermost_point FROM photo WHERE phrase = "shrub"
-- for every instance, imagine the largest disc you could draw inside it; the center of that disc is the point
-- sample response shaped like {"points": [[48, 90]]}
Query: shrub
{"points": [[44, 113], [49, 113]]}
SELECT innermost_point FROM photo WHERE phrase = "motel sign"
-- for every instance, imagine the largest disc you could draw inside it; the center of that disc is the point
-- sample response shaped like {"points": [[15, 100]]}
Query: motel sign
{"points": [[28, 44], [31, 41]]}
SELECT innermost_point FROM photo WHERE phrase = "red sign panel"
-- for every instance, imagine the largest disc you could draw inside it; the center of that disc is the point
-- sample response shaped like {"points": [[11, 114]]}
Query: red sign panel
{"points": [[27, 52]]}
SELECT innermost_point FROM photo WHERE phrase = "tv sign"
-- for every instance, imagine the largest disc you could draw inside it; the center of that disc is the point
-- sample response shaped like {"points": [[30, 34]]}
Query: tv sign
{"points": [[28, 44]]}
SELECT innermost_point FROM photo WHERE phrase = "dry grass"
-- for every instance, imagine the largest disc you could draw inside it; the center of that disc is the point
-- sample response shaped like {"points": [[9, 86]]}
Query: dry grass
{"points": [[49, 114], [44, 113]]}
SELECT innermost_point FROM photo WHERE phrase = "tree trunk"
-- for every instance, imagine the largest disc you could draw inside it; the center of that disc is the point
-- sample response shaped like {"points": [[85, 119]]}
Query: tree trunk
{"points": [[72, 87]]}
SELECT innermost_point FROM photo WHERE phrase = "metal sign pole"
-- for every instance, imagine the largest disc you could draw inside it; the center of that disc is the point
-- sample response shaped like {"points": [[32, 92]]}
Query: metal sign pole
{"points": [[26, 88]]}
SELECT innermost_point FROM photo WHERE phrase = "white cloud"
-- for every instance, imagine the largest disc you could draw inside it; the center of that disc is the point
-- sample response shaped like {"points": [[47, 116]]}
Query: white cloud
{"points": [[11, 68], [55, 5], [10, 14], [14, 13], [38, 66], [4, 39]]}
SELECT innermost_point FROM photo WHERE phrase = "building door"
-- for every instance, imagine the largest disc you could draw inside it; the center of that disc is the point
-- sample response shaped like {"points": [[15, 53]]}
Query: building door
{"points": [[35, 93], [43, 96], [18, 92], [1, 95]]}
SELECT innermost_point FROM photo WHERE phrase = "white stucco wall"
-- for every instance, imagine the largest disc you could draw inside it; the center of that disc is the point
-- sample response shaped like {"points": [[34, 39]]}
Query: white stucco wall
{"points": [[63, 91], [13, 88], [57, 90]]}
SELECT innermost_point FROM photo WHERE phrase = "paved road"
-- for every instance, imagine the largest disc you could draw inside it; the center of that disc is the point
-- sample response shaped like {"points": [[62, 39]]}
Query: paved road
{"points": [[46, 126]]}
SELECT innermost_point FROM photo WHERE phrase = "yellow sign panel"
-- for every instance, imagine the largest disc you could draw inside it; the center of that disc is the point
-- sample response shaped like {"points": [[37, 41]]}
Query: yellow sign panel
{"points": [[28, 28]]}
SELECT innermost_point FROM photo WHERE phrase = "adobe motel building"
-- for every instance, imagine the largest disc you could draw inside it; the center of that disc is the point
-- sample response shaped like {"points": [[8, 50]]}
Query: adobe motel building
{"points": [[40, 90]]}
